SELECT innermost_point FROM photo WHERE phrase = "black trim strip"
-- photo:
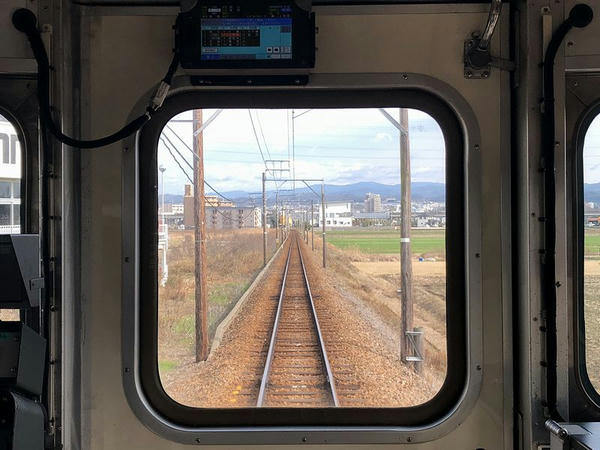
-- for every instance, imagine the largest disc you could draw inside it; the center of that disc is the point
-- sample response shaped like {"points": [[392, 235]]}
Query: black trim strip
{"points": [[448, 396], [579, 235]]}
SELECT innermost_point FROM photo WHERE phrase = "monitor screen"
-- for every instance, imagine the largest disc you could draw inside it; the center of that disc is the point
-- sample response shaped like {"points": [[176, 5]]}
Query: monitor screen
{"points": [[229, 33]]}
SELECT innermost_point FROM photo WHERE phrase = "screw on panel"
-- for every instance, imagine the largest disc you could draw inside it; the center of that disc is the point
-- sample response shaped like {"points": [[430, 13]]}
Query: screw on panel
{"points": [[485, 74], [404, 76]]}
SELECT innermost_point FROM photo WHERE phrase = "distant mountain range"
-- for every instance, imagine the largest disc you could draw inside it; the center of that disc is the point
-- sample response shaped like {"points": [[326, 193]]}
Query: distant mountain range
{"points": [[355, 192], [591, 192]]}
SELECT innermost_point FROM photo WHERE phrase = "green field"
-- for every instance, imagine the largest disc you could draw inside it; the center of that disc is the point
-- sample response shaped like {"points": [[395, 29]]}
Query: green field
{"points": [[423, 242], [592, 242]]}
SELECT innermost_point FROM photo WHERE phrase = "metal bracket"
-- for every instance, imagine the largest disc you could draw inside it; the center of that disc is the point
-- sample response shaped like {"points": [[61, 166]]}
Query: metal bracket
{"points": [[478, 60], [36, 283]]}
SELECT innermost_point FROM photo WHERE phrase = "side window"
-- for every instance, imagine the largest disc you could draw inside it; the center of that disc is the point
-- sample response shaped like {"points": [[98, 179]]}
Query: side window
{"points": [[10, 179], [591, 250], [10, 189]]}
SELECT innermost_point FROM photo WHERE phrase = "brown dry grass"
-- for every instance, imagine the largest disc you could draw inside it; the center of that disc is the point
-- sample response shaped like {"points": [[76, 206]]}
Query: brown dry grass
{"points": [[592, 325], [234, 258], [364, 302], [379, 293]]}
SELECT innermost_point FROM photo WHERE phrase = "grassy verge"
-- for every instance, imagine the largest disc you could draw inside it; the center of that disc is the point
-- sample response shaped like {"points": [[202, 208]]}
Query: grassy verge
{"points": [[233, 257]]}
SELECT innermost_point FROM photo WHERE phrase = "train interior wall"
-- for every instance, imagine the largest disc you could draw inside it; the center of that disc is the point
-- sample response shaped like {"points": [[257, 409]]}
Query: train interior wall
{"points": [[108, 59]]}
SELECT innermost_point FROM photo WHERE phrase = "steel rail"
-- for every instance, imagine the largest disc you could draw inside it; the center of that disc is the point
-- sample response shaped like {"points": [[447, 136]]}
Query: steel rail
{"points": [[267, 371], [320, 335]]}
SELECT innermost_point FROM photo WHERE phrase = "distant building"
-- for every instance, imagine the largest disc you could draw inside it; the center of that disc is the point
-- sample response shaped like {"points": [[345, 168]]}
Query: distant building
{"points": [[220, 214], [337, 214], [10, 179], [214, 200], [222, 218], [371, 218], [372, 203], [173, 214], [188, 207]]}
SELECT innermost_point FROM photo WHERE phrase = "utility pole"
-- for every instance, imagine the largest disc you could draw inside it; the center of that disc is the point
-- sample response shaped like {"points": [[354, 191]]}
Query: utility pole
{"points": [[264, 218], [277, 218], [200, 242], [164, 230], [405, 248], [312, 224], [323, 215]]}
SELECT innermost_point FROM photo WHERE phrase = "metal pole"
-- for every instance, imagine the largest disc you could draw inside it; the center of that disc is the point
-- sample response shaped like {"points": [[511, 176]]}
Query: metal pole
{"points": [[200, 243], [165, 269], [419, 349], [405, 247], [312, 223], [264, 218], [293, 152], [277, 217], [323, 215]]}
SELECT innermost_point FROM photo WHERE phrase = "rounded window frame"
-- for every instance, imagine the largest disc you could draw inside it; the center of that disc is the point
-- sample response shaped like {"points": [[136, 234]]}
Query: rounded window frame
{"points": [[581, 370], [347, 85], [455, 379], [25, 216]]}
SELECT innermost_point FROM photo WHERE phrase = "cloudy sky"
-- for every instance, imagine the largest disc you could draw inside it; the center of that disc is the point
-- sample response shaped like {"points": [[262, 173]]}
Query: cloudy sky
{"points": [[342, 146], [591, 153]]}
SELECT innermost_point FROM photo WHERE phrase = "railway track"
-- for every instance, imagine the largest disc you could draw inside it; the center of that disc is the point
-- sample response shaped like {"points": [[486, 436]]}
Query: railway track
{"points": [[297, 371]]}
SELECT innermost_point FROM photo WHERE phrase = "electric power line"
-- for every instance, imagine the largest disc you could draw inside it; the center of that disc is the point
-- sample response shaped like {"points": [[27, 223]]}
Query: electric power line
{"points": [[176, 161], [257, 140], [262, 134], [173, 146]]}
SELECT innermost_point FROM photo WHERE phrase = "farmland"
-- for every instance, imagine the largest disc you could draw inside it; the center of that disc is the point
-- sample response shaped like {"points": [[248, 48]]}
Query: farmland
{"points": [[429, 242]]}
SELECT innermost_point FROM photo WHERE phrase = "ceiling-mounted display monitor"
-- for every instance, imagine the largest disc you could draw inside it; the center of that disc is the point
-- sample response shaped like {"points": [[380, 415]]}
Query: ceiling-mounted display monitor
{"points": [[237, 34]]}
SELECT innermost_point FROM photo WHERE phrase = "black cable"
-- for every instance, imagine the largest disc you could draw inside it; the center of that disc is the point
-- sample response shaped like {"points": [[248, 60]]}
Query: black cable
{"points": [[580, 16], [25, 21]]}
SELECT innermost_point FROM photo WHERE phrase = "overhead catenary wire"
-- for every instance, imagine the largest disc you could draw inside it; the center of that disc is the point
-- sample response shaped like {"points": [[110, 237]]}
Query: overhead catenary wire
{"points": [[260, 128], [165, 137], [257, 140], [183, 142], [205, 182], [176, 161]]}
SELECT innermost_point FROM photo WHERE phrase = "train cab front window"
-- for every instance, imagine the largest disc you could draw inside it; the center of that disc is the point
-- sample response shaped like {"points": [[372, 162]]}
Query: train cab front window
{"points": [[304, 257]]}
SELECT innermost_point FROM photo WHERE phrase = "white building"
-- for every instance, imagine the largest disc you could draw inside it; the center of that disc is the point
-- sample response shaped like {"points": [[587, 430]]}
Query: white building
{"points": [[337, 214], [10, 179]]}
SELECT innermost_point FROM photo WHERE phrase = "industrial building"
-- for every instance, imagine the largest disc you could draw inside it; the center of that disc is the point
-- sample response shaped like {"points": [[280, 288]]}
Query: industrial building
{"points": [[220, 213], [337, 214]]}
